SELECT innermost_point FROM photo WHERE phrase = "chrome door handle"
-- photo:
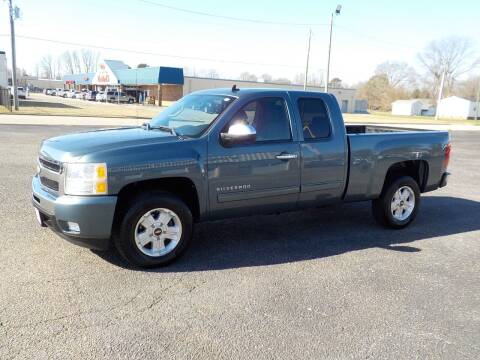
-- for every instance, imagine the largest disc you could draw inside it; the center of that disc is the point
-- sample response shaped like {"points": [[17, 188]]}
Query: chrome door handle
{"points": [[286, 156]]}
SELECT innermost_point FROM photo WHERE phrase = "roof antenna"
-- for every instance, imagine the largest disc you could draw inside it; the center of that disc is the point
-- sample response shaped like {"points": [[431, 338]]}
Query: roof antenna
{"points": [[234, 88]]}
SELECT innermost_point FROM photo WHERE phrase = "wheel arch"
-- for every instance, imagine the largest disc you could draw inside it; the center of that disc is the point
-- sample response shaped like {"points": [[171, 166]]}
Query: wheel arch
{"points": [[417, 169], [182, 187]]}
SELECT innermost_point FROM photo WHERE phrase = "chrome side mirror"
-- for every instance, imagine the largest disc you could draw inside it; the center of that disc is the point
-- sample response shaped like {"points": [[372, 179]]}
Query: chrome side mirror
{"points": [[239, 134]]}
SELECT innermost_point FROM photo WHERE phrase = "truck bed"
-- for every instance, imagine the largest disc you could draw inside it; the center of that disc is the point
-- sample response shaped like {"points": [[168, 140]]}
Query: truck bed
{"points": [[374, 149], [366, 129]]}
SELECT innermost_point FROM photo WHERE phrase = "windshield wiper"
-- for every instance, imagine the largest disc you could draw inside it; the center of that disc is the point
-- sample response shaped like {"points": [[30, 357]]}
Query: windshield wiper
{"points": [[161, 127]]}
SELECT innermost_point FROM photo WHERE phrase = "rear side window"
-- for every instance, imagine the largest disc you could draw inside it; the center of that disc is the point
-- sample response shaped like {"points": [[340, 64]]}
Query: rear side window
{"points": [[315, 120]]}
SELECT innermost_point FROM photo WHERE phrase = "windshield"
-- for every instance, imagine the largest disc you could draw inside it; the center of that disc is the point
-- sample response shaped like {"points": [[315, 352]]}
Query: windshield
{"points": [[191, 115]]}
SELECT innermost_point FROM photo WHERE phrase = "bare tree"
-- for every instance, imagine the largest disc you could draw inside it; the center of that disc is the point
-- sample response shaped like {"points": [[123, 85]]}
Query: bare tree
{"points": [[335, 83], [67, 62], [47, 66], [89, 60], [283, 81], [248, 76], [57, 69], [468, 88], [37, 70], [380, 93], [77, 62], [299, 78], [454, 55], [212, 74], [398, 73], [316, 78], [267, 78]]}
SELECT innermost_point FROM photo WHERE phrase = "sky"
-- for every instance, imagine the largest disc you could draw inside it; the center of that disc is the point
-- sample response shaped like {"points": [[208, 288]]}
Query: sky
{"points": [[365, 34]]}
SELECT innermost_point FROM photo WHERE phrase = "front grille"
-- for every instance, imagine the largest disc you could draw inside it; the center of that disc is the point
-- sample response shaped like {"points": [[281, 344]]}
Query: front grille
{"points": [[49, 183], [50, 165]]}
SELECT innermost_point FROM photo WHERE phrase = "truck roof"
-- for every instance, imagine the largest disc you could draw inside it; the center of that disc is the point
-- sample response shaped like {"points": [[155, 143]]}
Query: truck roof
{"points": [[247, 91]]}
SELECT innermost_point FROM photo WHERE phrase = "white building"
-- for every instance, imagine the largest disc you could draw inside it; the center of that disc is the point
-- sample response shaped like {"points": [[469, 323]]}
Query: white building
{"points": [[407, 107], [3, 70], [457, 107]]}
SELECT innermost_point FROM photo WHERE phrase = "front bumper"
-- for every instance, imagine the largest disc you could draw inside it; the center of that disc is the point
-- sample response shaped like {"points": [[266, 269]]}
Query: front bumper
{"points": [[93, 214]]}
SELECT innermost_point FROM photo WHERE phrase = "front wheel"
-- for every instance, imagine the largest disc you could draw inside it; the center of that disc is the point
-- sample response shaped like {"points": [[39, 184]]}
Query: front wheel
{"points": [[155, 230], [398, 204]]}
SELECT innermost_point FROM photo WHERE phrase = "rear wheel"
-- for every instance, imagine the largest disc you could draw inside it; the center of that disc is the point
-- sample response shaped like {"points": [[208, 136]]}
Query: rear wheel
{"points": [[398, 204], [155, 230]]}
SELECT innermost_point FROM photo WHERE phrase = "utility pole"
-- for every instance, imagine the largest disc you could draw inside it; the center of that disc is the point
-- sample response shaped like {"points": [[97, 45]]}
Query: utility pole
{"points": [[14, 14], [337, 12], [308, 58], [440, 91], [478, 100]]}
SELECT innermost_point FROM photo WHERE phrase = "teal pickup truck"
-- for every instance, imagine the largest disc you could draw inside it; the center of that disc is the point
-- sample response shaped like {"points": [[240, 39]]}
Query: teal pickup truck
{"points": [[227, 153]]}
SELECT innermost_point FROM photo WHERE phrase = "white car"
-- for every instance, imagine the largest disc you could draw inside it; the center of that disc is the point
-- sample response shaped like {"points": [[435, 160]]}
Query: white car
{"points": [[77, 95], [21, 92], [61, 92], [71, 94], [101, 96]]}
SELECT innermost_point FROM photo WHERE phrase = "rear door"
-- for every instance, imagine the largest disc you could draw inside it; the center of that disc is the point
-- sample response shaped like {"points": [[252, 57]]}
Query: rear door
{"points": [[323, 148], [259, 177]]}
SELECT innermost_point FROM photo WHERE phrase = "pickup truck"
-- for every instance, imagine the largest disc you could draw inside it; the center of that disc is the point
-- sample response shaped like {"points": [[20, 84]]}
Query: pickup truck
{"points": [[225, 153]]}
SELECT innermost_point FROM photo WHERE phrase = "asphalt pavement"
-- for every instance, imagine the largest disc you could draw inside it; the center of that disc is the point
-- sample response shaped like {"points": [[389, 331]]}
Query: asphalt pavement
{"points": [[326, 283]]}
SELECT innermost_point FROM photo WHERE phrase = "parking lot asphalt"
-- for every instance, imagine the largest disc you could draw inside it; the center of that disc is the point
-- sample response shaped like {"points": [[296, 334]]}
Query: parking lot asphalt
{"points": [[316, 284]]}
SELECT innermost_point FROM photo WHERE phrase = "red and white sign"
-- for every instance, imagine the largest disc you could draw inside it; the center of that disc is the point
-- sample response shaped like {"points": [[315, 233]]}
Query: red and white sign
{"points": [[104, 76]]}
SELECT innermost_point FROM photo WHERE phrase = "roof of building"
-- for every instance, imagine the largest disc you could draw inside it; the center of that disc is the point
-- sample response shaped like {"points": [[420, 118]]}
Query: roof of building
{"points": [[116, 64], [150, 76], [127, 76], [408, 101], [455, 98]]}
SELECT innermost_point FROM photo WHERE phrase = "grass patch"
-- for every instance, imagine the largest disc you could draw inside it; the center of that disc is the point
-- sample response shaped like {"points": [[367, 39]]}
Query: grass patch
{"points": [[39, 104]]}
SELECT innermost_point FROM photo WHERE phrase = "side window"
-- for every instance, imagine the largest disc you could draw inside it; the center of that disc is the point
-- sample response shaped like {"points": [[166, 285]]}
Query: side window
{"points": [[269, 118], [315, 120]]}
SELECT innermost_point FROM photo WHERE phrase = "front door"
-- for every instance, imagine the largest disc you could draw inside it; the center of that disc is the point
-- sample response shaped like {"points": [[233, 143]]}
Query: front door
{"points": [[259, 177]]}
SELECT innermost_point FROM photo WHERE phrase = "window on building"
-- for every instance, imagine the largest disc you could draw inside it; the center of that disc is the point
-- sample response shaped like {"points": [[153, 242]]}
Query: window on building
{"points": [[269, 118], [315, 120]]}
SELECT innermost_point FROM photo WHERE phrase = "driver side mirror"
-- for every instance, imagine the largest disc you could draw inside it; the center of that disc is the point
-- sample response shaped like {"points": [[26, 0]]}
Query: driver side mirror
{"points": [[239, 134]]}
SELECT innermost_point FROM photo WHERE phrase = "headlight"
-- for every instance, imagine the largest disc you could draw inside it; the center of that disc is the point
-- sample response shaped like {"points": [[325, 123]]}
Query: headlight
{"points": [[86, 179]]}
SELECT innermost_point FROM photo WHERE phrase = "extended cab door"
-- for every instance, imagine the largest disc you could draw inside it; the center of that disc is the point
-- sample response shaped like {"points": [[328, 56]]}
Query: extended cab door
{"points": [[323, 148], [259, 177]]}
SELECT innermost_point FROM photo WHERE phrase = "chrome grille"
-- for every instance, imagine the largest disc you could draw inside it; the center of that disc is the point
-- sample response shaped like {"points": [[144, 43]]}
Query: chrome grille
{"points": [[49, 183], [50, 165]]}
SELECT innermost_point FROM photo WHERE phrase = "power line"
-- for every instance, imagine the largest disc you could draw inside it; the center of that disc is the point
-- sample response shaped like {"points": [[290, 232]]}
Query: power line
{"points": [[268, 22], [257, 21], [375, 39], [150, 53]]}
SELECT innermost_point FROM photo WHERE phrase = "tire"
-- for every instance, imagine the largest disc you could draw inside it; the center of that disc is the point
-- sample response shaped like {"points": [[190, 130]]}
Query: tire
{"points": [[130, 229], [130, 101], [394, 211]]}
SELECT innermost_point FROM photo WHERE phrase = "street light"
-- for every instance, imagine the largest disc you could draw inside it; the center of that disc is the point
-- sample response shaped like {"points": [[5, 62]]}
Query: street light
{"points": [[336, 13]]}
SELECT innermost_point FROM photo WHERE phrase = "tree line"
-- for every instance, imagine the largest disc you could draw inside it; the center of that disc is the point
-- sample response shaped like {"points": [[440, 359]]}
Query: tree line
{"points": [[70, 62], [454, 58]]}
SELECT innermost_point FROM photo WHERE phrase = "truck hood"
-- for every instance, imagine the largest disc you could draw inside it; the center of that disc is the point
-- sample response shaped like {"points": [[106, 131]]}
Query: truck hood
{"points": [[74, 146]]}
